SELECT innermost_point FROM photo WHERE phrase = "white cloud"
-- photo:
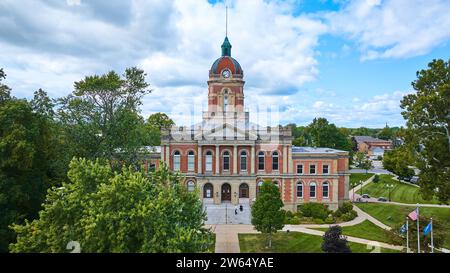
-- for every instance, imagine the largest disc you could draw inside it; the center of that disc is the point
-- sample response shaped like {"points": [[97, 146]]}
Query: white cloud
{"points": [[73, 2], [393, 28]]}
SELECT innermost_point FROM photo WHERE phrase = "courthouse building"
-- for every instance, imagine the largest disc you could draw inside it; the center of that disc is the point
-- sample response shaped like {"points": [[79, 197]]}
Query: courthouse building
{"points": [[227, 157]]}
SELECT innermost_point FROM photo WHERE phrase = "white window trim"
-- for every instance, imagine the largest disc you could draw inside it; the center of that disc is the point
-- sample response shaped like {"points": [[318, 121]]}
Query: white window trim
{"points": [[303, 169], [315, 168], [315, 190], [328, 191], [328, 169]]}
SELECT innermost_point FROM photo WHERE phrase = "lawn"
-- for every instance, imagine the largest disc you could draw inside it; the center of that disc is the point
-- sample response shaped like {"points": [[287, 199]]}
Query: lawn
{"points": [[356, 177], [365, 230], [401, 192], [292, 242], [393, 215]]}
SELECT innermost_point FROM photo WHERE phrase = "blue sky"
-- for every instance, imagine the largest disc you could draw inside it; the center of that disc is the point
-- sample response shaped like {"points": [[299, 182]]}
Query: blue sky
{"points": [[349, 61]]}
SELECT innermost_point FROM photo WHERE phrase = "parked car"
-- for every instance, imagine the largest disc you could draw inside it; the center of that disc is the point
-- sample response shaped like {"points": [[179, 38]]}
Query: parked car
{"points": [[414, 180], [382, 199], [366, 196]]}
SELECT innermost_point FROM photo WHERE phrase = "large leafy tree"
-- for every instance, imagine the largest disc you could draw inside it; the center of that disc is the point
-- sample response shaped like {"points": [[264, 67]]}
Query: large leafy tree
{"points": [[267, 213], [106, 211], [398, 161], [155, 124], [29, 163], [101, 117], [325, 134], [427, 112]]}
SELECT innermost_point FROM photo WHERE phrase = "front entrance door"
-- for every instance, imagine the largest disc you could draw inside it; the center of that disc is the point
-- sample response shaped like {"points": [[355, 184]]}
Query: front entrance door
{"points": [[226, 192]]}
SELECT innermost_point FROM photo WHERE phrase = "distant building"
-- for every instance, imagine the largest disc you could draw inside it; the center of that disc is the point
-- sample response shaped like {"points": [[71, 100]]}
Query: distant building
{"points": [[372, 146]]}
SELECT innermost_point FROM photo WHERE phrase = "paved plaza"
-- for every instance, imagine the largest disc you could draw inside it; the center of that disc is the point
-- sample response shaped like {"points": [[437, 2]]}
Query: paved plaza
{"points": [[224, 214]]}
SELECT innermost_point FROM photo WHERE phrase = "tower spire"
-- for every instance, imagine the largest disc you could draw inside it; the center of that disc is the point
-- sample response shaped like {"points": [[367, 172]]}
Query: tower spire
{"points": [[226, 46], [226, 21]]}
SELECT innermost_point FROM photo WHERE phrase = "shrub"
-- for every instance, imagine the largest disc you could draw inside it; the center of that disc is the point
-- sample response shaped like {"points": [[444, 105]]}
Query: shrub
{"points": [[289, 214], [349, 216], [346, 207], [294, 220], [315, 210], [376, 178], [329, 220]]}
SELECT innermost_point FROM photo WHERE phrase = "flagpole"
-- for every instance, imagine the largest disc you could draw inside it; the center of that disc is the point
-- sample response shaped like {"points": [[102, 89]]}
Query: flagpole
{"points": [[418, 230], [432, 245], [407, 236]]}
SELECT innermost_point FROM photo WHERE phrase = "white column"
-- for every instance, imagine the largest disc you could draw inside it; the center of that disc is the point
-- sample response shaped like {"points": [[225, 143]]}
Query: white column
{"points": [[252, 159], [290, 165], [167, 155], [199, 160], [235, 157], [217, 159]]}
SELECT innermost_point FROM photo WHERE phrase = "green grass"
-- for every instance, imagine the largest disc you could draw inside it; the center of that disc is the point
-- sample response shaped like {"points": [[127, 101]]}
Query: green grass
{"points": [[401, 192], [366, 230], [356, 177], [292, 242], [394, 215]]}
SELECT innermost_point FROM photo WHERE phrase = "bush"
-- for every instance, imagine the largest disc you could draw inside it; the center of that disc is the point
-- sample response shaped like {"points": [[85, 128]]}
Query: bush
{"points": [[294, 220], [346, 207], [380, 157], [329, 220], [376, 178], [349, 216], [315, 210]]}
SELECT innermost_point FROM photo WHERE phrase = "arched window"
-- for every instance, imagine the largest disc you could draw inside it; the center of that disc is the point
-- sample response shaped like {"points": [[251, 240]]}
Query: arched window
{"points": [[259, 186], [312, 190], [325, 189], [208, 190], [275, 161], [243, 190], [190, 186], [261, 161], [299, 189], [243, 161], [208, 162], [176, 161], [226, 161], [191, 161]]}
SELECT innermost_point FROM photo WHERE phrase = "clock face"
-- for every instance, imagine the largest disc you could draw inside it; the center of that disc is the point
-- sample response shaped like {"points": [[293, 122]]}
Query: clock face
{"points": [[226, 73]]}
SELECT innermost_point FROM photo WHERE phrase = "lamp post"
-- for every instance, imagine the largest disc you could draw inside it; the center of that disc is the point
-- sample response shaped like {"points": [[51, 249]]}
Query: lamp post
{"points": [[389, 187]]}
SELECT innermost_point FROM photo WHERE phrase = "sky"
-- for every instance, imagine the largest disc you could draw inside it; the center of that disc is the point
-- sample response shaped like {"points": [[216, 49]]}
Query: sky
{"points": [[348, 61]]}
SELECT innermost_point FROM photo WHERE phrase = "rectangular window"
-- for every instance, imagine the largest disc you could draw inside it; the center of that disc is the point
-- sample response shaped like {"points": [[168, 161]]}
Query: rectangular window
{"points": [[209, 163], [300, 168], [275, 163], [312, 191], [299, 190], [243, 163], [325, 169], [191, 163], [226, 163], [176, 163], [312, 169], [325, 191]]}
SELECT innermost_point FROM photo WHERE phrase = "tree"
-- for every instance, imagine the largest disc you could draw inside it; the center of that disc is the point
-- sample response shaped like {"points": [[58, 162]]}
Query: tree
{"points": [[29, 164], [267, 213], [106, 211], [325, 134], [360, 158], [334, 242], [398, 161], [427, 112], [386, 133], [155, 124], [367, 165], [101, 117], [5, 91]]}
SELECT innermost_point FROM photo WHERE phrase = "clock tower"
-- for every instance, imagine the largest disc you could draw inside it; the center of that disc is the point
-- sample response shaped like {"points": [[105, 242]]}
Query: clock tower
{"points": [[226, 85]]}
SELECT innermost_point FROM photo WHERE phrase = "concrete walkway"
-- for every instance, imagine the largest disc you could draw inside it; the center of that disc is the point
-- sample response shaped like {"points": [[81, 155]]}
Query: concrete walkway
{"points": [[227, 240]]}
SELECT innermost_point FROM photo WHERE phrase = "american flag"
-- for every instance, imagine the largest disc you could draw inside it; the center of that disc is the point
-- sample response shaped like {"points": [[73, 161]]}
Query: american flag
{"points": [[413, 215]]}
